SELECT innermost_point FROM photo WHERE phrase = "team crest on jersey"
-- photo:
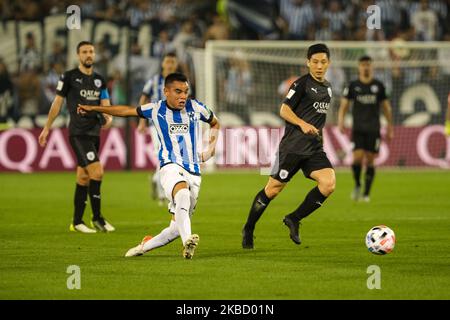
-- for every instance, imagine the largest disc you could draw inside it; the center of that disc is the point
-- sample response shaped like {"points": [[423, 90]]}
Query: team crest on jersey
{"points": [[193, 116], [98, 83], [374, 88], [330, 93], [90, 155], [178, 128]]}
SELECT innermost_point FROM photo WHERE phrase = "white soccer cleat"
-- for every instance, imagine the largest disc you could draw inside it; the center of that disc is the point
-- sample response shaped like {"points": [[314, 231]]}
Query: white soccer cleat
{"points": [[109, 227], [81, 227], [190, 245], [139, 249], [356, 194], [366, 199]]}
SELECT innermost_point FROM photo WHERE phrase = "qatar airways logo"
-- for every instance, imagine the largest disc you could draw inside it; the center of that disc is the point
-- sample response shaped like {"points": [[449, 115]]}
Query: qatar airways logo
{"points": [[321, 107], [367, 99], [90, 94]]}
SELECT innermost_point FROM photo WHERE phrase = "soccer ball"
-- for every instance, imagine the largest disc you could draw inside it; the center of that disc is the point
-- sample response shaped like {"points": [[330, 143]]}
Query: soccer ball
{"points": [[380, 240]]}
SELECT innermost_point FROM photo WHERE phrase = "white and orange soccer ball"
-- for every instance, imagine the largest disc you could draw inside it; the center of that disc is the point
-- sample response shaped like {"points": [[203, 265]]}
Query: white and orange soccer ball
{"points": [[380, 240]]}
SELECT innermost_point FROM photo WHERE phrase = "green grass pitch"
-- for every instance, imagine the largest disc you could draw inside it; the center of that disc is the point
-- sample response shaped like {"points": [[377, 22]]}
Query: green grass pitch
{"points": [[37, 248]]}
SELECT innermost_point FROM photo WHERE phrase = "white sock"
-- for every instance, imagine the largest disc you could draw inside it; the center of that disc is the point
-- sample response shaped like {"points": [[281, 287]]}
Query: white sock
{"points": [[182, 206], [164, 237]]}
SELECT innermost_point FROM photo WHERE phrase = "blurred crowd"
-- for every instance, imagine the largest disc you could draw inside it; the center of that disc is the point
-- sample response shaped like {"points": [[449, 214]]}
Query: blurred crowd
{"points": [[178, 24]]}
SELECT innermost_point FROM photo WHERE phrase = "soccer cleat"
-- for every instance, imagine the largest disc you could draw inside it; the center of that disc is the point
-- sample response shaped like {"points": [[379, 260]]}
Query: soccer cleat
{"points": [[102, 225], [81, 227], [356, 193], [293, 229], [247, 239], [366, 199], [139, 249], [190, 245]]}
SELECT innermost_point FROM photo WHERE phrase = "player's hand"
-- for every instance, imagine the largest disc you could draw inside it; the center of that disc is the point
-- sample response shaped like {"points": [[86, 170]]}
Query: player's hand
{"points": [[390, 133], [309, 129], [205, 156], [82, 109], [43, 137], [447, 127], [108, 121], [142, 127]]}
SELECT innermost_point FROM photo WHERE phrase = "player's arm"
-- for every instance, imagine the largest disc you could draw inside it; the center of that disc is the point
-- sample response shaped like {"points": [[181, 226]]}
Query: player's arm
{"points": [[142, 126], [287, 114], [52, 114], [108, 118], [119, 110], [387, 111], [343, 108], [214, 127]]}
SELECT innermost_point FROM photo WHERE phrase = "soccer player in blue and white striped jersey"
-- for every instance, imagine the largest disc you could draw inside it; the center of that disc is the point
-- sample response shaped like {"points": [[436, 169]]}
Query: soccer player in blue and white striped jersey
{"points": [[153, 91], [177, 120]]}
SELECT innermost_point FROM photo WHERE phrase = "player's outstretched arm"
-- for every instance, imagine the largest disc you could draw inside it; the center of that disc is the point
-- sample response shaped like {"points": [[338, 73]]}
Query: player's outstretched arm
{"points": [[142, 126], [52, 114], [287, 114], [343, 108], [108, 118], [119, 111]]}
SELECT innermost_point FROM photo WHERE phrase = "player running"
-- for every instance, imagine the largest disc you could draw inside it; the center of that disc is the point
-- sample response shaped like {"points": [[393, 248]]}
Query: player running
{"points": [[177, 121], [368, 96], [304, 110], [153, 91], [83, 86]]}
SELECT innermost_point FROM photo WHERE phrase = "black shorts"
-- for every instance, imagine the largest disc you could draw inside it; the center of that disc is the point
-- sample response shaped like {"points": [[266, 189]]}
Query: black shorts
{"points": [[287, 165], [368, 141], [86, 149]]}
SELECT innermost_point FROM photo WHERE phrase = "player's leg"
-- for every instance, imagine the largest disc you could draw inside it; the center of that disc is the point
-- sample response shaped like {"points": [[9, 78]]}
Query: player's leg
{"points": [[358, 157], [369, 175], [285, 167], [82, 186], [318, 168]]}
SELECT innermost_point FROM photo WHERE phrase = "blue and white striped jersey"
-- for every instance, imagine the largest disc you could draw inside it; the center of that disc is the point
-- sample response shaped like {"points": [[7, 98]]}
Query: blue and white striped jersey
{"points": [[154, 88], [178, 131]]}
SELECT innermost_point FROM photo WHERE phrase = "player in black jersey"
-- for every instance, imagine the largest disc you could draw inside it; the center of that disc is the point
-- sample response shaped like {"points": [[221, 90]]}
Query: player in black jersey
{"points": [[304, 110], [368, 96], [83, 86]]}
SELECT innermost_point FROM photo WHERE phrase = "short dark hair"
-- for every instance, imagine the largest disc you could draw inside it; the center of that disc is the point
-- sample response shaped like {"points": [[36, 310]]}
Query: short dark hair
{"points": [[318, 48], [83, 43], [365, 58], [176, 76], [170, 55]]}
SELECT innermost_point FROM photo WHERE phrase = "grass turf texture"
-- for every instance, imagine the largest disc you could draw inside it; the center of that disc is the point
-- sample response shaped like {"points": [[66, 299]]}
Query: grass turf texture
{"points": [[36, 246]]}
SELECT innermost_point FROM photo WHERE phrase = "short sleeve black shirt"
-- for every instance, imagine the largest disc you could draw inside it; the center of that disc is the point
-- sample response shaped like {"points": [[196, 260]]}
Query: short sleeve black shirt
{"points": [[80, 88], [310, 100]]}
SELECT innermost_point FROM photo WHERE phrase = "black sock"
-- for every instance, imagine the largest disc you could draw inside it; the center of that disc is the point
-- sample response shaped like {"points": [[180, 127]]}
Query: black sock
{"points": [[94, 197], [356, 168], [79, 203], [370, 175], [313, 200], [259, 204]]}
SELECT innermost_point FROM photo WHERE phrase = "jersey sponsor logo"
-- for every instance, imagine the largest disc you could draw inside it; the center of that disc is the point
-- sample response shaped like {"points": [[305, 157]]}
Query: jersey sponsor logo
{"points": [[90, 155], [284, 174], [98, 83], [321, 107], [290, 93], [330, 93], [90, 94], [178, 128], [367, 98], [60, 85]]}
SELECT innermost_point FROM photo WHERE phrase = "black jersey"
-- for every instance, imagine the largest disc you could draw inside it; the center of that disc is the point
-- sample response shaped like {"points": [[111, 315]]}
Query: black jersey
{"points": [[310, 100], [80, 88], [367, 99]]}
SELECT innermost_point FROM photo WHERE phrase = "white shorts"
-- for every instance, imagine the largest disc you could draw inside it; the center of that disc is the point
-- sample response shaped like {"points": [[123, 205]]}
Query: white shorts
{"points": [[170, 175]]}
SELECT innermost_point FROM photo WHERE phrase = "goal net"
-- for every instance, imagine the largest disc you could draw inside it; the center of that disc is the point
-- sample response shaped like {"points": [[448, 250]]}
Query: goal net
{"points": [[245, 82]]}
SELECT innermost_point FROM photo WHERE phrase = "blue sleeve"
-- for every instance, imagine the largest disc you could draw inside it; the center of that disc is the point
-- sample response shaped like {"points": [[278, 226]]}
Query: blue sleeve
{"points": [[104, 94]]}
